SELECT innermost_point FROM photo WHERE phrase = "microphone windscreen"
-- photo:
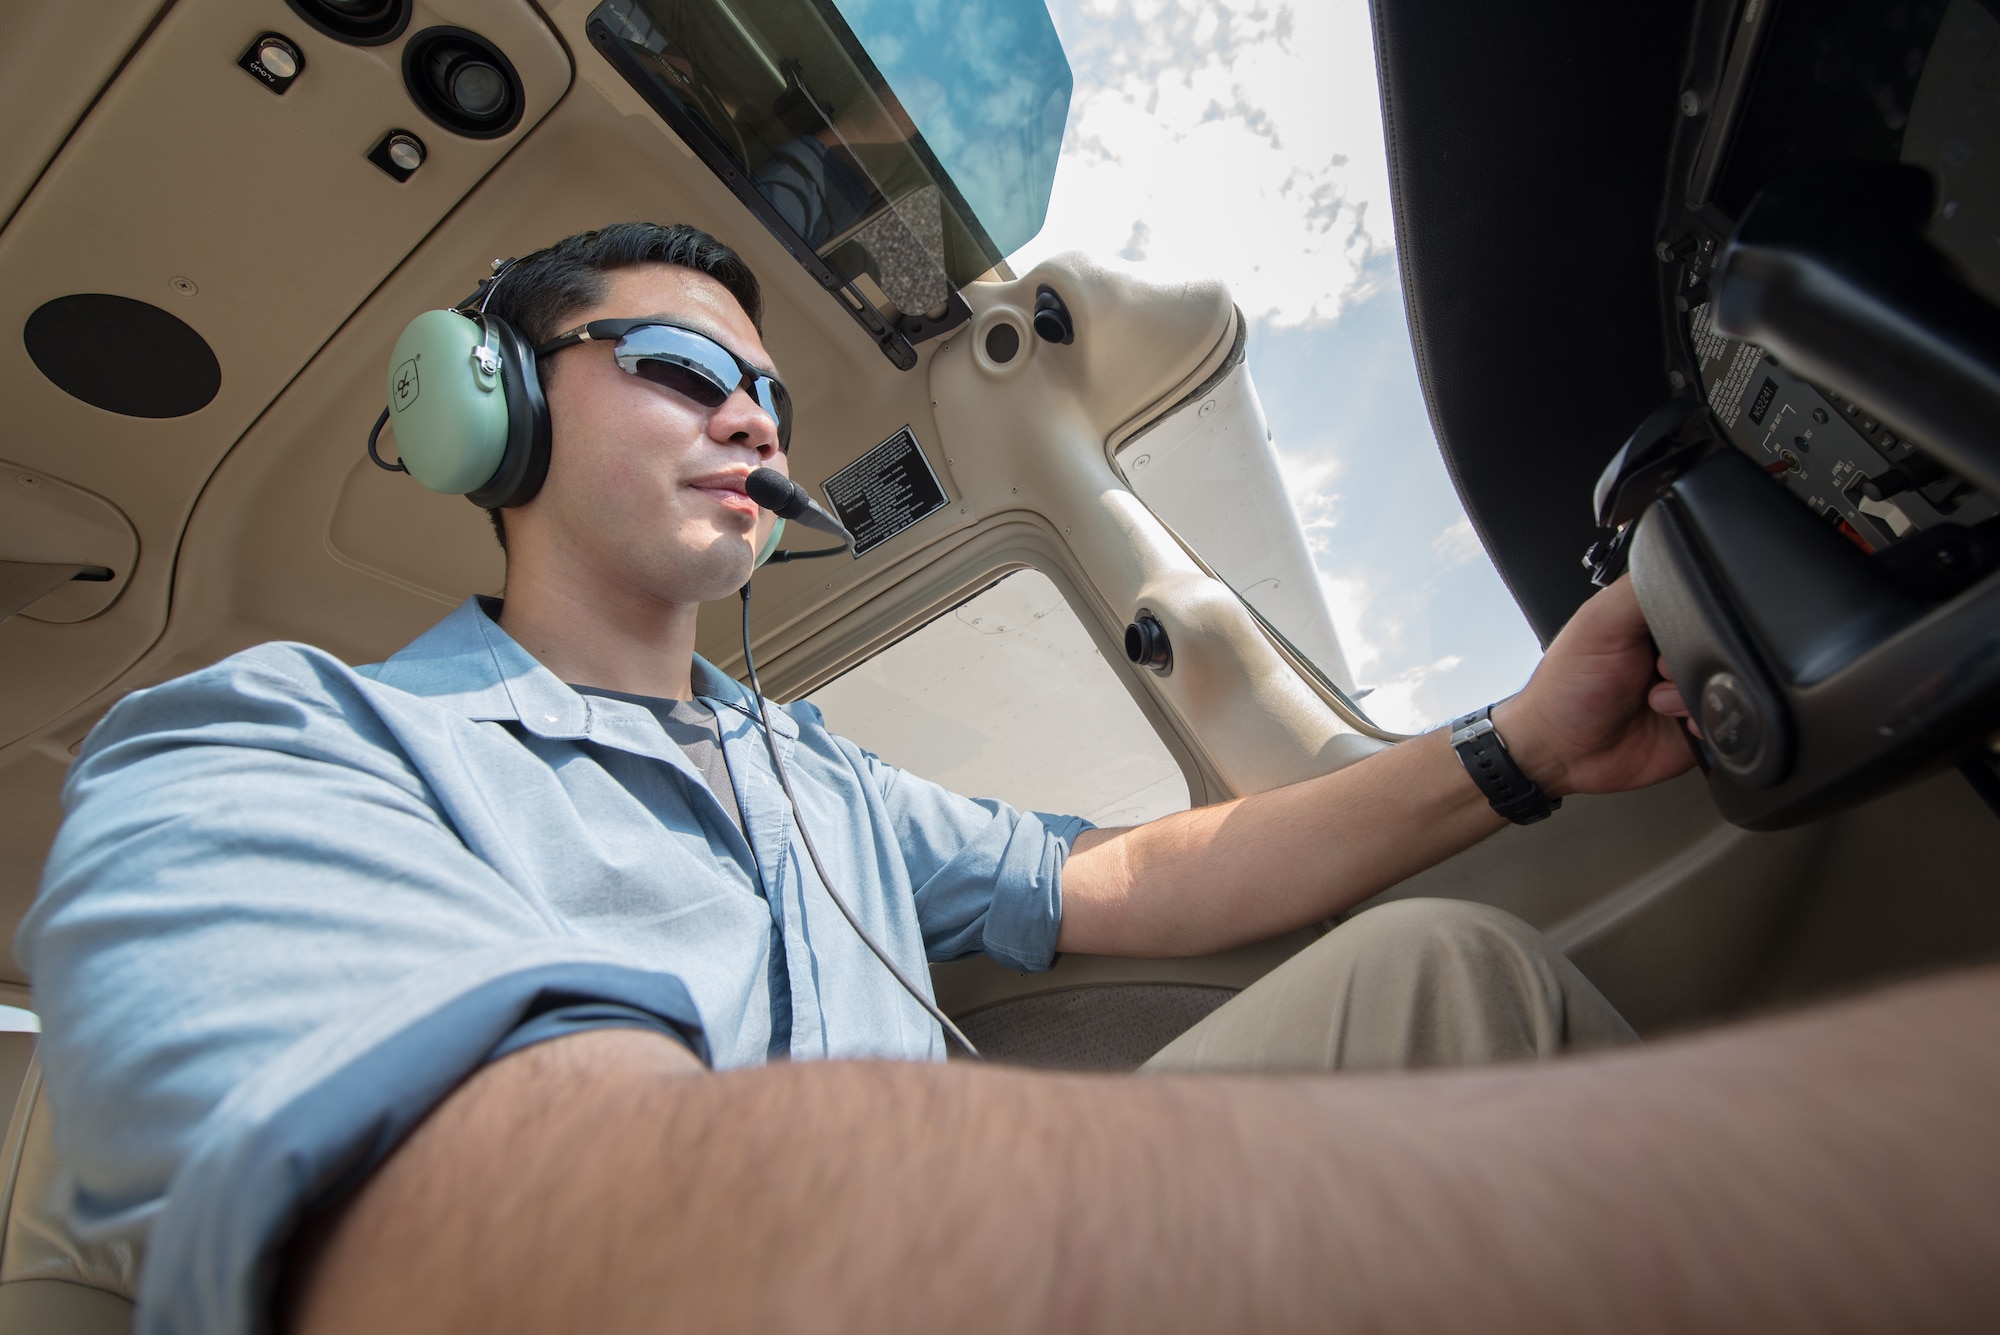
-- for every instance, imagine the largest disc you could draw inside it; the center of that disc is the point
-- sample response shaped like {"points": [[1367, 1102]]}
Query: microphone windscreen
{"points": [[776, 493], [788, 500]]}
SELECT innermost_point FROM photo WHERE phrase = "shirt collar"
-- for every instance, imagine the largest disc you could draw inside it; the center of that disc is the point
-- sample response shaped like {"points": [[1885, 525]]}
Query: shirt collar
{"points": [[468, 664]]}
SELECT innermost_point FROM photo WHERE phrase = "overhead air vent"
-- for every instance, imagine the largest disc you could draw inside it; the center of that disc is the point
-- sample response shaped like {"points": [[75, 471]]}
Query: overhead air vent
{"points": [[123, 356], [357, 22], [462, 82]]}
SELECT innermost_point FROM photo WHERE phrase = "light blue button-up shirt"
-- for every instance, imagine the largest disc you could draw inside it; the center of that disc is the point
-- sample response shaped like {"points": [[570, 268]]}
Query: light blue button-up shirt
{"points": [[295, 903]]}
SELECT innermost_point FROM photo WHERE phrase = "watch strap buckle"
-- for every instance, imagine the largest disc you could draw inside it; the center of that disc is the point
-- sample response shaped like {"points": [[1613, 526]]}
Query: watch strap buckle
{"points": [[1484, 754]]}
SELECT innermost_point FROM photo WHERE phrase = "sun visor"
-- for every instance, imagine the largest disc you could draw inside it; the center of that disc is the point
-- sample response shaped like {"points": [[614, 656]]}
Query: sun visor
{"points": [[899, 149]]}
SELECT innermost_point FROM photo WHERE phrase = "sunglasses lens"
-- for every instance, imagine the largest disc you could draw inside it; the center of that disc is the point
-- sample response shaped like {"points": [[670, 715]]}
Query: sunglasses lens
{"points": [[681, 360], [773, 399], [702, 369], [682, 379]]}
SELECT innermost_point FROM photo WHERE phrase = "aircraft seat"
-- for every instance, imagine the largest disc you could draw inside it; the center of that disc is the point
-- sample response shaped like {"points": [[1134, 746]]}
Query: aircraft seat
{"points": [[49, 1281]]}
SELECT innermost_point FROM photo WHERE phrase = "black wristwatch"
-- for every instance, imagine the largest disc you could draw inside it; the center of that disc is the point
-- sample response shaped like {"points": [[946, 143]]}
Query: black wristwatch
{"points": [[1511, 793]]}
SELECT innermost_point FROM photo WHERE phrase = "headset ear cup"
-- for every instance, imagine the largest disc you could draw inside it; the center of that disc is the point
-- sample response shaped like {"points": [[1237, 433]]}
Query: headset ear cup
{"points": [[770, 543], [449, 412], [525, 465]]}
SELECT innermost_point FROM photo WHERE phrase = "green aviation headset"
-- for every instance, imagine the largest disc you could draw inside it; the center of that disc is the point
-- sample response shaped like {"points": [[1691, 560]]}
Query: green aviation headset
{"points": [[465, 398]]}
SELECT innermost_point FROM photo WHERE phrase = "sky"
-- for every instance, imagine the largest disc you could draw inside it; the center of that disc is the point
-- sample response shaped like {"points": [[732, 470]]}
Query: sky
{"points": [[1242, 140]]}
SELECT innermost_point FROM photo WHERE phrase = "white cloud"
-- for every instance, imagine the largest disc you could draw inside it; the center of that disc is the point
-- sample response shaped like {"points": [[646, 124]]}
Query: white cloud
{"points": [[1347, 602], [1395, 704], [1238, 139], [1458, 545], [1309, 482]]}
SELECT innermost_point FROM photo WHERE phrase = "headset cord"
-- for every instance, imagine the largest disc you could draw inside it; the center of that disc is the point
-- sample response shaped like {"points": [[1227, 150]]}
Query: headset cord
{"points": [[798, 823]]}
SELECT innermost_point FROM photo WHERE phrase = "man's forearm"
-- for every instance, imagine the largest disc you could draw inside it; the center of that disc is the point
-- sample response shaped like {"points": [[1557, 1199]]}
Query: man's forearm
{"points": [[1221, 876], [1827, 1172]]}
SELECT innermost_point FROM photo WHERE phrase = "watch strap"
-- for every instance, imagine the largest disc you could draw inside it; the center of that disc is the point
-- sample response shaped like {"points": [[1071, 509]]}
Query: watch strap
{"points": [[1485, 757]]}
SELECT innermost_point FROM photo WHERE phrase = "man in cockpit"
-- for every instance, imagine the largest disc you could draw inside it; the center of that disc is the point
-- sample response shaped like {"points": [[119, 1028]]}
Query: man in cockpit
{"points": [[404, 985]]}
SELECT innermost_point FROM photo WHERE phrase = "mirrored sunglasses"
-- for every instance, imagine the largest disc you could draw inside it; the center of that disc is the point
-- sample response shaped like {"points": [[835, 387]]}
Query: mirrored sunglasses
{"points": [[689, 363]]}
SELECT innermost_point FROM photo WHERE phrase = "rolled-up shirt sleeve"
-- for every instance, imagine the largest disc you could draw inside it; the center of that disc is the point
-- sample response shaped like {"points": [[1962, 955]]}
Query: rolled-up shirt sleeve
{"points": [[986, 877], [262, 953]]}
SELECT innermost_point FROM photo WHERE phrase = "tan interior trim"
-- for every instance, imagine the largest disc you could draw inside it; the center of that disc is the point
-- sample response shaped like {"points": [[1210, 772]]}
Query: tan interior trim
{"points": [[1215, 364], [44, 100]]}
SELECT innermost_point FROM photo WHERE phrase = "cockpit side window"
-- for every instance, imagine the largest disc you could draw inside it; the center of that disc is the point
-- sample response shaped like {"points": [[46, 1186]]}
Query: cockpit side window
{"points": [[1007, 696]]}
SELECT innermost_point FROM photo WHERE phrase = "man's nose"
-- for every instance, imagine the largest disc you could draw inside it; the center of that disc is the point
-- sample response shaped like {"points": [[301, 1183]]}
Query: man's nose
{"points": [[747, 421]]}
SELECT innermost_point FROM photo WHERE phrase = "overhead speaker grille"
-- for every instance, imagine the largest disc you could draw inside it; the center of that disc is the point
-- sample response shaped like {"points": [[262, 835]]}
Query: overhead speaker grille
{"points": [[123, 356]]}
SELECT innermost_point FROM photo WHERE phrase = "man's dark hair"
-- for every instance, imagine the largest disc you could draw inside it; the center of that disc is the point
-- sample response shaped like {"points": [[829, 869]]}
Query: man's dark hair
{"points": [[543, 290]]}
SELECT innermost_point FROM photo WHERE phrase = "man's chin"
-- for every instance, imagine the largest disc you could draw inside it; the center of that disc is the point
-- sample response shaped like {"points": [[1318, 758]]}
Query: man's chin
{"points": [[719, 570]]}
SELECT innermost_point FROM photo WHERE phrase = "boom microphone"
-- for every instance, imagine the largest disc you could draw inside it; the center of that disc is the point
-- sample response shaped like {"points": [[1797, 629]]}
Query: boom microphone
{"points": [[788, 500]]}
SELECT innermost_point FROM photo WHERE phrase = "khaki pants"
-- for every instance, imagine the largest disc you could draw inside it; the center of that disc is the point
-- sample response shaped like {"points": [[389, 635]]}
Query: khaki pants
{"points": [[1415, 982]]}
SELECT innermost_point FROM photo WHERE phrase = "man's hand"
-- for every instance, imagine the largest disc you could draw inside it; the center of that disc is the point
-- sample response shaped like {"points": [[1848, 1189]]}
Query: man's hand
{"points": [[1592, 719]]}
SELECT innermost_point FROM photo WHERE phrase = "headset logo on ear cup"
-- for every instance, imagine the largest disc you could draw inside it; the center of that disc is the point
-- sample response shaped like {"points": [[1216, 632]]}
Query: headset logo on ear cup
{"points": [[404, 385], [482, 429], [452, 432]]}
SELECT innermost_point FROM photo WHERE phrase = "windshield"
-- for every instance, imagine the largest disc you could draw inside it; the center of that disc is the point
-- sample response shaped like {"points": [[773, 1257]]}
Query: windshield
{"points": [[988, 87], [914, 144]]}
